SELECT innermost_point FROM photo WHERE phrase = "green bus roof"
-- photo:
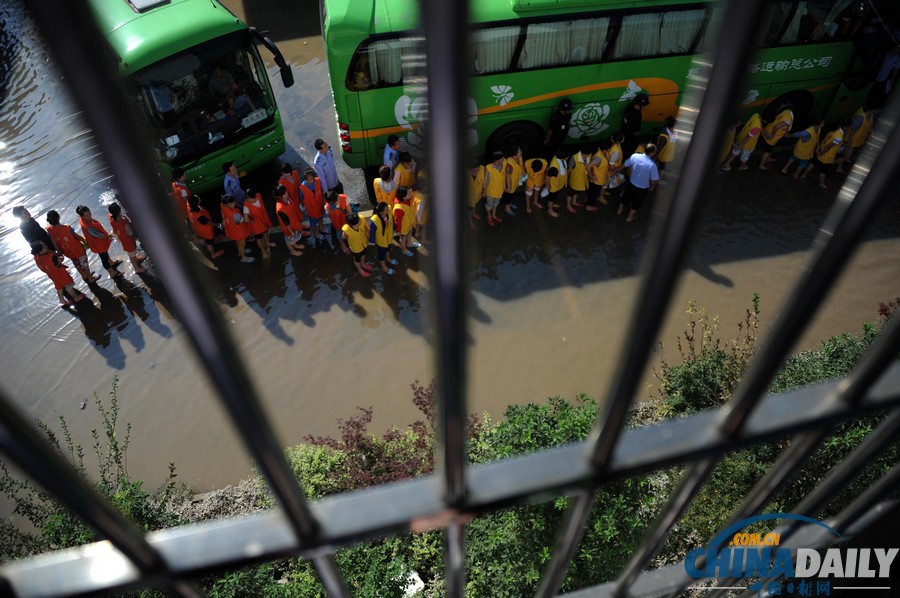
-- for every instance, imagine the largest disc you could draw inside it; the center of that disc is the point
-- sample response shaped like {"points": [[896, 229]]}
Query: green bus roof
{"points": [[143, 38]]}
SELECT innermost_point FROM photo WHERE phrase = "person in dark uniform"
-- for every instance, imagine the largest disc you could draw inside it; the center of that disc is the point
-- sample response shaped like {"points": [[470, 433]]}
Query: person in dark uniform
{"points": [[559, 127], [632, 120], [31, 230]]}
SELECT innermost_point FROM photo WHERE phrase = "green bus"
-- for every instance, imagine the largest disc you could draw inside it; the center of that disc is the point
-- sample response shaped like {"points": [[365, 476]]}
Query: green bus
{"points": [[819, 55], [196, 75]]}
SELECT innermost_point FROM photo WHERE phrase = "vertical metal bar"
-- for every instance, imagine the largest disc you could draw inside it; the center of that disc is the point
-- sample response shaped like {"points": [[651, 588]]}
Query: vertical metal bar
{"points": [[446, 51], [22, 445], [78, 48], [704, 116]]}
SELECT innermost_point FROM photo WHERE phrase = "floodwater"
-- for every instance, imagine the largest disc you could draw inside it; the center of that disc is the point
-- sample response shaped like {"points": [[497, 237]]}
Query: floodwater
{"points": [[551, 298]]}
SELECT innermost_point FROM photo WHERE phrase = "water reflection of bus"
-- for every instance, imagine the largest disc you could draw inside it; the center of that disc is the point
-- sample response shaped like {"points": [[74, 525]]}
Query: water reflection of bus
{"points": [[197, 77], [820, 55]]}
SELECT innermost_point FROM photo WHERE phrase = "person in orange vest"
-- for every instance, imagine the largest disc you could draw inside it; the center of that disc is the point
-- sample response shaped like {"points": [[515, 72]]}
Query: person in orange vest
{"points": [[50, 263], [257, 218], [404, 219], [314, 202], [70, 244], [355, 236], [337, 212], [203, 226], [122, 229], [289, 218], [236, 228], [290, 180], [180, 193], [98, 240]]}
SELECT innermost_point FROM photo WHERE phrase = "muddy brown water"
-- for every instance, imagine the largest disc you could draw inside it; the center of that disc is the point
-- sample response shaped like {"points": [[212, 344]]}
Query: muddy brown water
{"points": [[551, 298]]}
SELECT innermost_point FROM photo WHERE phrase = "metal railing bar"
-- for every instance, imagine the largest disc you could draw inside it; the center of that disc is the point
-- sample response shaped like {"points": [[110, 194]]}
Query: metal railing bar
{"points": [[666, 250], [868, 186], [23, 446], [569, 535], [72, 36], [416, 505], [844, 226], [455, 539], [445, 25]]}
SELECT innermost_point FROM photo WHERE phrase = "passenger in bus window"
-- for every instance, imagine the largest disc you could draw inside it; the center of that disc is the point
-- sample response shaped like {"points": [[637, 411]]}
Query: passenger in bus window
{"points": [[221, 84]]}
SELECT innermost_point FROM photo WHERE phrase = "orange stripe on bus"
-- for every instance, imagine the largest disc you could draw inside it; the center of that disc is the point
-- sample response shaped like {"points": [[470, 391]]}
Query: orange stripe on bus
{"points": [[650, 85]]}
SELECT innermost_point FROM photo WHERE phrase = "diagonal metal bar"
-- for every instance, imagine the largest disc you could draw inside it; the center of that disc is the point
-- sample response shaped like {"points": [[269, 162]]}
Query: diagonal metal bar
{"points": [[868, 186], [22, 444], [568, 537], [703, 116], [666, 253], [70, 33], [857, 201]]}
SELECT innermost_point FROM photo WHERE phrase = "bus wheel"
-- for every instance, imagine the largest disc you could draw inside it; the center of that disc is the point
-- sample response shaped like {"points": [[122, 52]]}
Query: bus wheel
{"points": [[802, 102], [526, 135]]}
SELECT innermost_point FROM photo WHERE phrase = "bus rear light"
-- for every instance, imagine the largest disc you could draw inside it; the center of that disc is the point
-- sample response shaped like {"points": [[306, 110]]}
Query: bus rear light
{"points": [[344, 134]]}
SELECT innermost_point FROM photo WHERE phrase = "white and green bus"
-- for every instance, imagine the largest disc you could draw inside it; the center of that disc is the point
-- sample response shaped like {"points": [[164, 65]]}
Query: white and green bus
{"points": [[194, 71], [528, 54]]}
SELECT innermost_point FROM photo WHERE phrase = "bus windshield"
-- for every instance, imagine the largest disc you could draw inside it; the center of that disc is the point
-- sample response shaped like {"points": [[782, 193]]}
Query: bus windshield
{"points": [[206, 97]]}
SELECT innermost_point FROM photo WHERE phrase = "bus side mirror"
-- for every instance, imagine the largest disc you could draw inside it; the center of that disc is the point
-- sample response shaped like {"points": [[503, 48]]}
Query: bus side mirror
{"points": [[287, 75]]}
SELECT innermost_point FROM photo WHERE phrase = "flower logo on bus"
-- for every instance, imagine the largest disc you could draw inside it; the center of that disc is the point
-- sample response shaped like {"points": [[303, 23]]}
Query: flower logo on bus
{"points": [[502, 94], [409, 111], [751, 96], [587, 121]]}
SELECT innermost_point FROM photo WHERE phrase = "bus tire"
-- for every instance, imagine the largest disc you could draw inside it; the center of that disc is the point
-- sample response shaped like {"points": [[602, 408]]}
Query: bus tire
{"points": [[524, 134]]}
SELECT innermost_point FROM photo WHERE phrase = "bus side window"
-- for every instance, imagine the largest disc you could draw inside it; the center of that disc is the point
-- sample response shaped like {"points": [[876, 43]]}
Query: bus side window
{"points": [[494, 49], [638, 37], [563, 43], [679, 31]]}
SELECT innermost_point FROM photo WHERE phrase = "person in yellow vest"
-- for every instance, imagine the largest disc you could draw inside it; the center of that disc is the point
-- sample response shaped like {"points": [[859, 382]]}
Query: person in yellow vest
{"points": [[515, 176], [404, 220], [355, 236], [494, 186], [476, 190], [556, 182], [384, 186], [405, 171], [578, 178], [616, 158], [420, 208], [665, 148], [772, 134], [598, 176], [535, 173], [381, 235], [827, 152], [745, 142], [804, 148], [860, 126]]}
